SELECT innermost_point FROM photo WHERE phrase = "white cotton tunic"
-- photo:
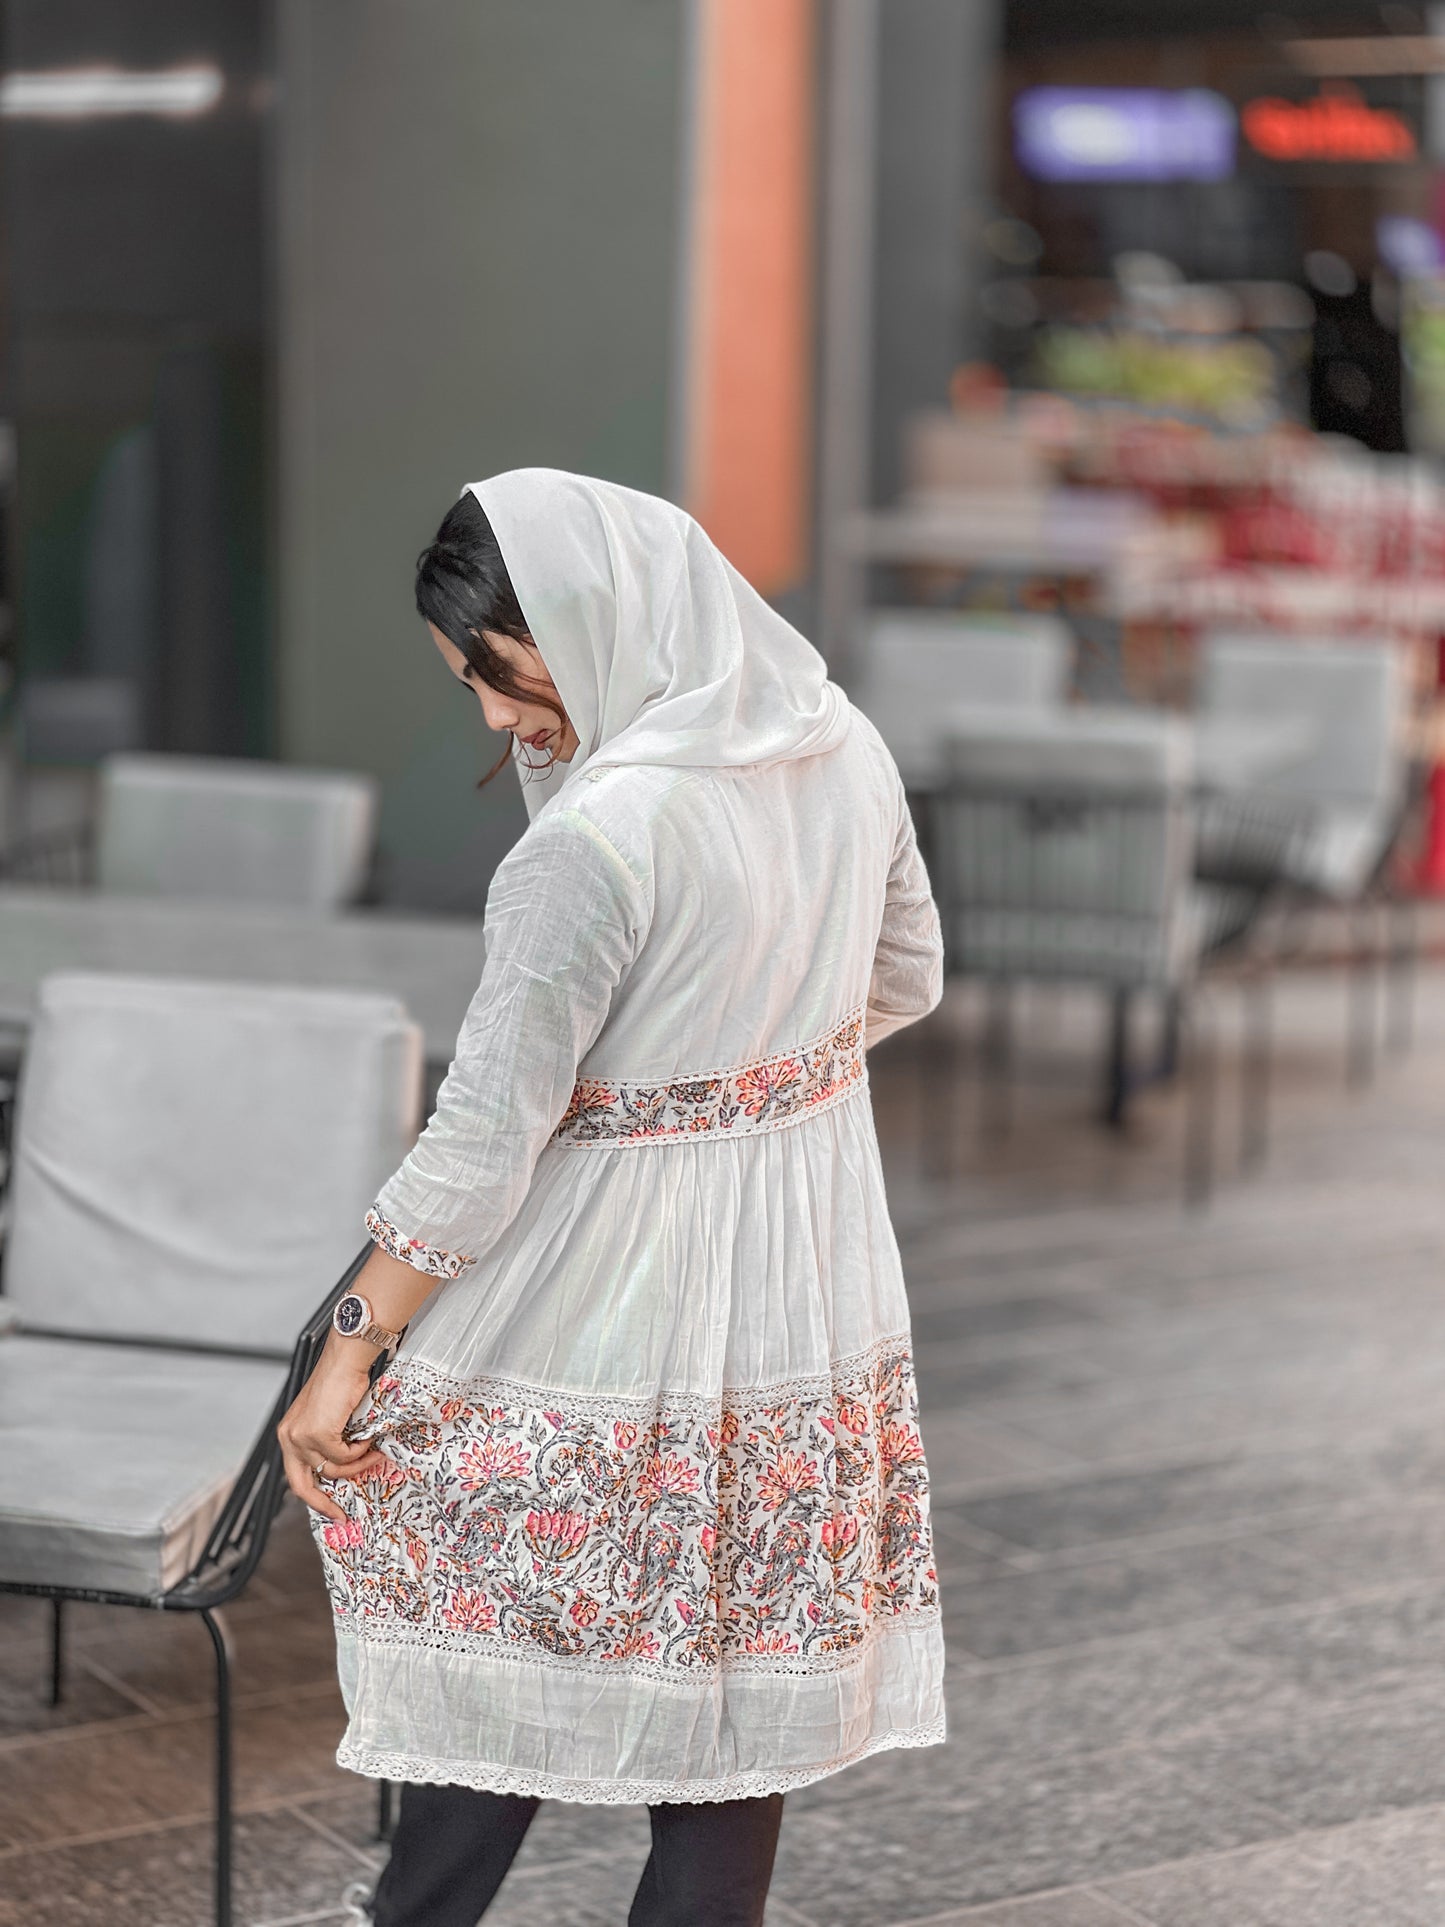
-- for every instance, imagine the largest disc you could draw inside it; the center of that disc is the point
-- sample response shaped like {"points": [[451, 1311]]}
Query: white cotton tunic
{"points": [[658, 1523]]}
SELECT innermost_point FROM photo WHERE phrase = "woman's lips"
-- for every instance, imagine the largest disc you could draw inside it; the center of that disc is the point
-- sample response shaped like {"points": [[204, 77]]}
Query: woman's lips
{"points": [[536, 740]]}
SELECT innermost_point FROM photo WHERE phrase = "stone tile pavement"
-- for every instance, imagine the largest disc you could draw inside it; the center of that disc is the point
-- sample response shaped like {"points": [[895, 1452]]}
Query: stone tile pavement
{"points": [[1189, 1491]]}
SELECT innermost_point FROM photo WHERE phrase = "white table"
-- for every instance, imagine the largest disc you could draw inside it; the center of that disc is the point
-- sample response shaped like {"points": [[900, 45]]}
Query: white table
{"points": [[431, 963]]}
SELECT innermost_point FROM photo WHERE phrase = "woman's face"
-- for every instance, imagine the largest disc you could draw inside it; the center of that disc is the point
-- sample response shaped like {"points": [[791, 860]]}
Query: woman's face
{"points": [[533, 724]]}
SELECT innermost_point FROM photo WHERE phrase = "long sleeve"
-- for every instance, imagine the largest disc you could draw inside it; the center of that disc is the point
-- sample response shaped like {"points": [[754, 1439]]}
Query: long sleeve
{"points": [[907, 979], [565, 916]]}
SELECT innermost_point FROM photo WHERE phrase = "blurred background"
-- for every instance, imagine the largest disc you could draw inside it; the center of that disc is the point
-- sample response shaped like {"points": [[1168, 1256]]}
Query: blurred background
{"points": [[1074, 376]]}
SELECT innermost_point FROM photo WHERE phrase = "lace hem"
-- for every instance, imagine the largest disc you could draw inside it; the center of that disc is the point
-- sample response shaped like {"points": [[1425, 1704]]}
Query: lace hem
{"points": [[915, 1619], [431, 1259], [489, 1778], [416, 1375]]}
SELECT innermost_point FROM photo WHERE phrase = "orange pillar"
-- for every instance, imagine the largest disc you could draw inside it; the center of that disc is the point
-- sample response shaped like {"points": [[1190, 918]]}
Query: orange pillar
{"points": [[750, 307]]}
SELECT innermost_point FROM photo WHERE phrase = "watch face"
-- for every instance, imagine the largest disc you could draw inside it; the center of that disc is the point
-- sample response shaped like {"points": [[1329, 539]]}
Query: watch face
{"points": [[350, 1315]]}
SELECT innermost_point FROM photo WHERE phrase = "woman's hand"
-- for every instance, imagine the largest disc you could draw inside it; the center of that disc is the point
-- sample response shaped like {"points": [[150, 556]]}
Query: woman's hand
{"points": [[312, 1444]]}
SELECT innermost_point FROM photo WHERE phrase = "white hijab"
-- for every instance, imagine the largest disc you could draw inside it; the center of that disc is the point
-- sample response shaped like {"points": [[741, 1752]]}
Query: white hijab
{"points": [[660, 651]]}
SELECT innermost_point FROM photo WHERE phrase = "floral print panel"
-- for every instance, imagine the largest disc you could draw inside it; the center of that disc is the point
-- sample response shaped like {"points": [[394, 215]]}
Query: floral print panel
{"points": [[753, 1097], [774, 1529], [431, 1259]]}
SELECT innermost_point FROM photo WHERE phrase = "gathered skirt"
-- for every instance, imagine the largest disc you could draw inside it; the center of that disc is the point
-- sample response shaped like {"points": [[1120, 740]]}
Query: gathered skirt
{"points": [[654, 1523]]}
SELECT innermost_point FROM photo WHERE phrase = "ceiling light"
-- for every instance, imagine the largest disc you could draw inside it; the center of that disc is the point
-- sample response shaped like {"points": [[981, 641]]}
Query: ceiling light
{"points": [[77, 93]]}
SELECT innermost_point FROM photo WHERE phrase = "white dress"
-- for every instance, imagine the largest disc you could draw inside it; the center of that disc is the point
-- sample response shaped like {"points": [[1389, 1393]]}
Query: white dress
{"points": [[658, 1527]]}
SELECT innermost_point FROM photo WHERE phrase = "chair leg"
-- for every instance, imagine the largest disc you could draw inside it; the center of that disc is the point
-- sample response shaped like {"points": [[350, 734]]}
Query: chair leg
{"points": [[1255, 1068], [1360, 1067], [384, 1792], [57, 1650], [996, 1060], [1170, 1044], [1404, 957], [1199, 1116], [1116, 1094], [223, 1767]]}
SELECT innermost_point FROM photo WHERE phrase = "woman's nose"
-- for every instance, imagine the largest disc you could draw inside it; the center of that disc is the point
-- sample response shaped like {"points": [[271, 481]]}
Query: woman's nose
{"points": [[500, 714]]}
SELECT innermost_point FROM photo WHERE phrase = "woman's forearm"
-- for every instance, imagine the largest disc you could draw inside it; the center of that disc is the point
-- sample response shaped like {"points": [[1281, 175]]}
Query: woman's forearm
{"points": [[396, 1292]]}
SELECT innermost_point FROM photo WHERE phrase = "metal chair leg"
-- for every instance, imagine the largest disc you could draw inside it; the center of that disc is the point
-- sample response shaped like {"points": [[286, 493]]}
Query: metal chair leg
{"points": [[223, 1766], [1116, 1096], [996, 1060], [1360, 1066], [1199, 1116], [1170, 1043], [1255, 1068], [57, 1650], [384, 1792], [1404, 916]]}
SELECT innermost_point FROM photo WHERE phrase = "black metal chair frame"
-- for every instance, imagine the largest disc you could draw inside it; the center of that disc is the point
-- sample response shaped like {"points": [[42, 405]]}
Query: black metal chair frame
{"points": [[230, 1557]]}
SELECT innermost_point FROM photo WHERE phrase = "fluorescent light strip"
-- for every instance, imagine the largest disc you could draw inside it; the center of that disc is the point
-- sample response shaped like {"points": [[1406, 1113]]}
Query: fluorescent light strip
{"points": [[78, 93]]}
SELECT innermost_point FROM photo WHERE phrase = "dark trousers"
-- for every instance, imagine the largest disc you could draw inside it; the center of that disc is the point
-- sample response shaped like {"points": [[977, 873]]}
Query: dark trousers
{"points": [[710, 1864]]}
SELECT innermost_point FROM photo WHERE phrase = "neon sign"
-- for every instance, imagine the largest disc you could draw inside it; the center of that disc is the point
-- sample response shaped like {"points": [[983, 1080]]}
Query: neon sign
{"points": [[1124, 134], [1334, 126]]}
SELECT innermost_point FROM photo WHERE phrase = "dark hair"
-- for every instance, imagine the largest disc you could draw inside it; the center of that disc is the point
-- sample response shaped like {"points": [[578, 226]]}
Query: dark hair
{"points": [[462, 587]]}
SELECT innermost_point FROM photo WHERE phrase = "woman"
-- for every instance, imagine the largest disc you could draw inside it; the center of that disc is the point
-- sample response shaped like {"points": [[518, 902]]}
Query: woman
{"points": [[638, 1510]]}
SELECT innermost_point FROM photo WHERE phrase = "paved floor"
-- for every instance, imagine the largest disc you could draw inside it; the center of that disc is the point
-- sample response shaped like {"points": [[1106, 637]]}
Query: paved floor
{"points": [[1190, 1509]]}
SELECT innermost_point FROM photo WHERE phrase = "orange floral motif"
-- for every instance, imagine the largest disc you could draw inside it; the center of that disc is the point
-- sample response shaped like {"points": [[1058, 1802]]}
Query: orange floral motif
{"points": [[555, 1535], [789, 1474], [469, 1612], [490, 1459]]}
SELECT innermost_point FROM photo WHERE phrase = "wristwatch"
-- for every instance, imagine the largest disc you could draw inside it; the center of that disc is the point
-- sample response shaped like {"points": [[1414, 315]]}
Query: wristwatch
{"points": [[352, 1318]]}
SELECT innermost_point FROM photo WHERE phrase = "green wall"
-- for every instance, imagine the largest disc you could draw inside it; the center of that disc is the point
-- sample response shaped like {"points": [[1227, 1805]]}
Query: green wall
{"points": [[477, 265]]}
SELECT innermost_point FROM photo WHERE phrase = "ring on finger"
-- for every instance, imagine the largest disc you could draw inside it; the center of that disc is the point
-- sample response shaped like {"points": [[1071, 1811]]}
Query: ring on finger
{"points": [[320, 1468]]}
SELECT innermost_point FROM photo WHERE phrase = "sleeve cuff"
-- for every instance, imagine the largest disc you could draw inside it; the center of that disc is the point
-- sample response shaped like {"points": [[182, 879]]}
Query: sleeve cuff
{"points": [[431, 1259]]}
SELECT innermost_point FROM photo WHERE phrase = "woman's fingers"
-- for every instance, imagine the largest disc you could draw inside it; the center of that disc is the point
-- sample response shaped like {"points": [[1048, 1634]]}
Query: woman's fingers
{"points": [[302, 1477]]}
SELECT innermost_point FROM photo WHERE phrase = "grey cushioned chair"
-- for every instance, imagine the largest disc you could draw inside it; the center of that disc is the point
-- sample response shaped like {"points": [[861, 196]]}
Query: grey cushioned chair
{"points": [[192, 1163], [227, 827], [1065, 855], [919, 663], [1351, 787]]}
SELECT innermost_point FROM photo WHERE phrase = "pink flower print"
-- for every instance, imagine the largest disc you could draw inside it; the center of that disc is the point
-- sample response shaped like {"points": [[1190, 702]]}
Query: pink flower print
{"points": [[665, 1474], [899, 1445], [470, 1612], [585, 1611], [554, 1419], [789, 1474], [778, 1642], [451, 1408], [625, 1433], [728, 1430], [839, 1537], [685, 1612], [555, 1535], [491, 1459], [341, 1534], [854, 1414], [708, 1536], [757, 1088]]}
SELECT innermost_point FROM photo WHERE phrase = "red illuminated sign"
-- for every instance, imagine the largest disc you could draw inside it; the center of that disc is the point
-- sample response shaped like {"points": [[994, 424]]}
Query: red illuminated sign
{"points": [[1335, 126]]}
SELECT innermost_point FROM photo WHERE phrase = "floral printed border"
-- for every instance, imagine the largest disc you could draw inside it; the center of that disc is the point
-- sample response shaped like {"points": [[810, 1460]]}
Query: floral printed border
{"points": [[773, 1530], [431, 1259], [753, 1097]]}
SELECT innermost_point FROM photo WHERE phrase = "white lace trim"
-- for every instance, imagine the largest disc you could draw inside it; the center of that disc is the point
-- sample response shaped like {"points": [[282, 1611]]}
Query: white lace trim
{"points": [[913, 1619], [432, 1382], [489, 1778]]}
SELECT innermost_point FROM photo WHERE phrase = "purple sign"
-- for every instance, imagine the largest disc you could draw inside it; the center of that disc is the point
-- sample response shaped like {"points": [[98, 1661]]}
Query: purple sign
{"points": [[1124, 134]]}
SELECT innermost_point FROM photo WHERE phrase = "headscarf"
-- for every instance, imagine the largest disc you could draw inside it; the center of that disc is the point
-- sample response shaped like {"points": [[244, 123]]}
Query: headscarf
{"points": [[660, 650]]}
